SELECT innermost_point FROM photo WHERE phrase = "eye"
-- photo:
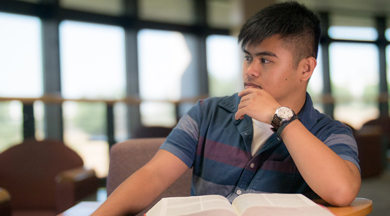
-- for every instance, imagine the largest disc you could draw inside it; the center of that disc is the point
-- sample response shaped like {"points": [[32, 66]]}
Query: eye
{"points": [[248, 58], [265, 61]]}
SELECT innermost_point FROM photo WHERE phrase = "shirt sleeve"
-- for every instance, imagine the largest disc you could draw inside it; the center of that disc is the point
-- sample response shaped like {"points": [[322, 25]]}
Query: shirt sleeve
{"points": [[342, 142], [183, 140]]}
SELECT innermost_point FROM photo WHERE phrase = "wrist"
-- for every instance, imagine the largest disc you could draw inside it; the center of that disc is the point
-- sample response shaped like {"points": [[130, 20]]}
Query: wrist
{"points": [[282, 117], [284, 125]]}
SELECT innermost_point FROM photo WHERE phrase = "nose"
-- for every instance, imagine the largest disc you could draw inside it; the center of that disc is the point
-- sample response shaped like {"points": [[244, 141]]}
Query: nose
{"points": [[252, 69]]}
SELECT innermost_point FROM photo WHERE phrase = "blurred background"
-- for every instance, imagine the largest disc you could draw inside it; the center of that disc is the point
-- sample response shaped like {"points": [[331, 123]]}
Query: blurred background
{"points": [[92, 72]]}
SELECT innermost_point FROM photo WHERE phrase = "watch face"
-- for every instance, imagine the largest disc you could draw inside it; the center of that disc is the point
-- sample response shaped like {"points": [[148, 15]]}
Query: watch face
{"points": [[284, 112]]}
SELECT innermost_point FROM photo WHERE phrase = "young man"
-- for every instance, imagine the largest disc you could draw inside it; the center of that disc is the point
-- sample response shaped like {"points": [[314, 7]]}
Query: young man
{"points": [[229, 142]]}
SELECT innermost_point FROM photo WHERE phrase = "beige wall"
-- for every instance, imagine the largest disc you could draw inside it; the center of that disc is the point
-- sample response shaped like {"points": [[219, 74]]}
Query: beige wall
{"points": [[247, 9], [250, 7]]}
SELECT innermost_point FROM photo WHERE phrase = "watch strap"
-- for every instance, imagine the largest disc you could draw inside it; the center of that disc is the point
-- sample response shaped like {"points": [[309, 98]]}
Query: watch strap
{"points": [[284, 124], [274, 126]]}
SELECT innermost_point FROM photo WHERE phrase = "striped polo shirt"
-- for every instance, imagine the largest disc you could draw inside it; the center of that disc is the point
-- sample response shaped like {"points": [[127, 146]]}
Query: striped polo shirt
{"points": [[218, 147]]}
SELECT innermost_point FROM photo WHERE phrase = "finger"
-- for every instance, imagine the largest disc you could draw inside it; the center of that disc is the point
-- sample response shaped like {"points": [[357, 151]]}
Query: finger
{"points": [[239, 114], [243, 104], [245, 92], [246, 97]]}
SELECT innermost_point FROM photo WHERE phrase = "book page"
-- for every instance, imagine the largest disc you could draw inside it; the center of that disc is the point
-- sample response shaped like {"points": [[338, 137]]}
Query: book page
{"points": [[277, 205], [192, 206]]}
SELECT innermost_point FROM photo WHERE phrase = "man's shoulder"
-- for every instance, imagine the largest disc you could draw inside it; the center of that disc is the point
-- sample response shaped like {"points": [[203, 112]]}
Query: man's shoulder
{"points": [[324, 119], [325, 126], [318, 122]]}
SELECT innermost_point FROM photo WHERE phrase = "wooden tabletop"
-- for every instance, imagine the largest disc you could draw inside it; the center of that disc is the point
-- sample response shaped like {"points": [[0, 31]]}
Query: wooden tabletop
{"points": [[359, 207]]}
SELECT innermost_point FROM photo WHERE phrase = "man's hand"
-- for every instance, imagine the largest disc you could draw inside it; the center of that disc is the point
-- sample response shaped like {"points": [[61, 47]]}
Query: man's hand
{"points": [[258, 104]]}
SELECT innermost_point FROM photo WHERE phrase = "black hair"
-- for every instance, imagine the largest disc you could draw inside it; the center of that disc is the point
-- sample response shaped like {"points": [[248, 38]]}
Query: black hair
{"points": [[297, 25]]}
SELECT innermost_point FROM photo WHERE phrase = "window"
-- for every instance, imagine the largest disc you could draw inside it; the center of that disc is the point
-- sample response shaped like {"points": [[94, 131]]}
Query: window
{"points": [[39, 117], [163, 59], [223, 65], [20, 72], [354, 33], [20, 42], [388, 69], [11, 120], [84, 132], [92, 61], [120, 123], [352, 28], [92, 66], [355, 76]]}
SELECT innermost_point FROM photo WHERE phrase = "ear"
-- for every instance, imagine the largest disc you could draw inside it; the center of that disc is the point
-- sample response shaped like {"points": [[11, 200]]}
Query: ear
{"points": [[307, 66]]}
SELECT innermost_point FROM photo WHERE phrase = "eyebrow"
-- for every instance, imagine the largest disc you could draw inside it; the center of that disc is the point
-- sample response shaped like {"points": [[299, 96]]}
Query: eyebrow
{"points": [[266, 53]]}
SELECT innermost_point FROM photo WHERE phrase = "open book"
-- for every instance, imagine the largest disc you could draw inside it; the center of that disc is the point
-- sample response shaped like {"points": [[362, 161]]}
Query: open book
{"points": [[244, 205]]}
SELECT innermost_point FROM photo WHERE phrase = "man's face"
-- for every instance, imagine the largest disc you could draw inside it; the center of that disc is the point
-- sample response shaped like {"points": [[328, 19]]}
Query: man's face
{"points": [[270, 66]]}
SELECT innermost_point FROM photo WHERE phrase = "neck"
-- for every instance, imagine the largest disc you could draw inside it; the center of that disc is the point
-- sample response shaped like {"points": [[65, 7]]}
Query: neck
{"points": [[294, 102]]}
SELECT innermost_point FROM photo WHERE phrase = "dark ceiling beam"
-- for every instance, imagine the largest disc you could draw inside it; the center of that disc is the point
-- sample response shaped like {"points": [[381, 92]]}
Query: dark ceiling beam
{"points": [[58, 13], [19, 7]]}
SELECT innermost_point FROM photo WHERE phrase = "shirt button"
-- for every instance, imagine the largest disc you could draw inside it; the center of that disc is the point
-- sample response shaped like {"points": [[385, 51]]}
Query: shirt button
{"points": [[252, 165], [239, 192]]}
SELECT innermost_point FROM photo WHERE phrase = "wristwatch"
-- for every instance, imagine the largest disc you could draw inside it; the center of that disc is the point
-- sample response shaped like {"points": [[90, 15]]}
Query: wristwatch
{"points": [[283, 116]]}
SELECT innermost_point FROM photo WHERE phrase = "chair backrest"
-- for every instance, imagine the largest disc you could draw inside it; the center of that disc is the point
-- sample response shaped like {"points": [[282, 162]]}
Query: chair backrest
{"points": [[382, 120], [151, 132], [28, 171], [370, 145], [127, 157], [384, 123]]}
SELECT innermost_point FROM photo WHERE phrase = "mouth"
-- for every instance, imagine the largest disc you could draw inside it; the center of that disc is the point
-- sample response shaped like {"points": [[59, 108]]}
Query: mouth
{"points": [[251, 85]]}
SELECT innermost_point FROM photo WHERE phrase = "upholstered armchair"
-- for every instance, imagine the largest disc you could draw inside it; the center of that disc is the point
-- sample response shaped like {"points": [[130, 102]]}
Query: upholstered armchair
{"points": [[128, 156], [44, 177], [371, 150], [5, 206], [384, 123]]}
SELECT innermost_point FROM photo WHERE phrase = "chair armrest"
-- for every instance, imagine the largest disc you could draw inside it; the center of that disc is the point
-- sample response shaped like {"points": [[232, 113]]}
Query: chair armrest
{"points": [[73, 185], [75, 175], [4, 196], [5, 202]]}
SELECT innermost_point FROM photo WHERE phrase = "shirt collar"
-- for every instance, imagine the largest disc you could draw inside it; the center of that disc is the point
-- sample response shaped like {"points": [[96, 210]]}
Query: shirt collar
{"points": [[308, 115]]}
